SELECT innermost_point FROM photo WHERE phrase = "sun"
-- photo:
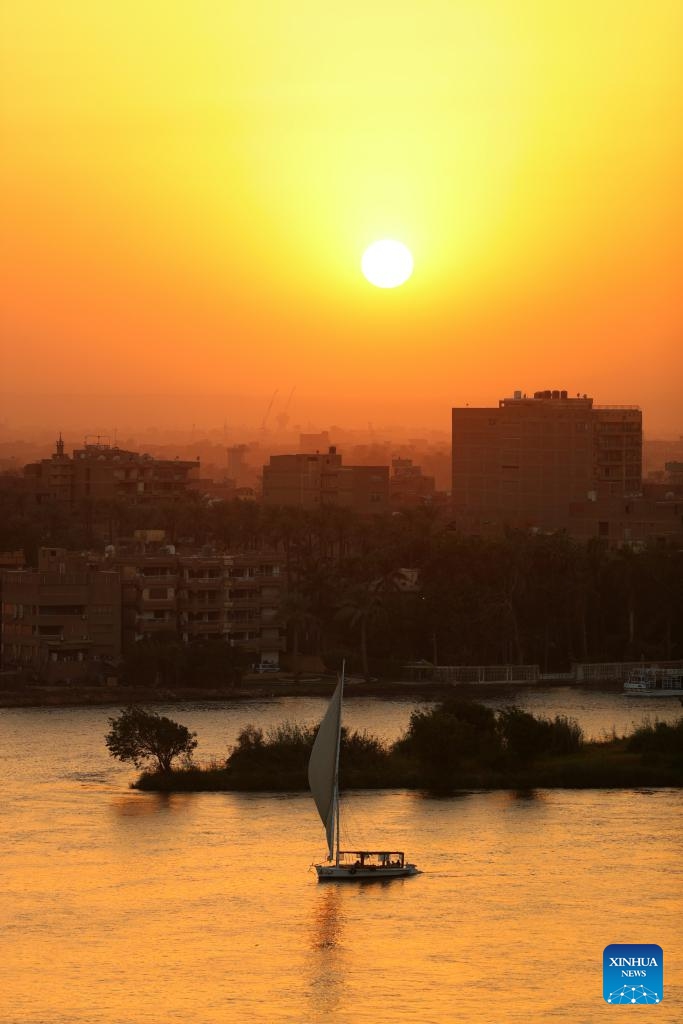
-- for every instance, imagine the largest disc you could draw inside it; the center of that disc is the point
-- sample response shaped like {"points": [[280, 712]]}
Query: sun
{"points": [[387, 264]]}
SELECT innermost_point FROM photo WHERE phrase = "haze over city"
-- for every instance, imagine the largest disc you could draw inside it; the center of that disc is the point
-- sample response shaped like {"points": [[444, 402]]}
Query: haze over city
{"points": [[341, 510], [186, 202]]}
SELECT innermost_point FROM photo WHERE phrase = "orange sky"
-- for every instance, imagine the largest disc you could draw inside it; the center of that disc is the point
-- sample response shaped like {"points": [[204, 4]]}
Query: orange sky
{"points": [[187, 189]]}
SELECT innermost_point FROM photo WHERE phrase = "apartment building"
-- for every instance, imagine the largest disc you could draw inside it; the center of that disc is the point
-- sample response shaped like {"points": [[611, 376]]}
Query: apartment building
{"points": [[104, 472], [523, 463], [197, 596], [627, 522], [313, 480], [62, 621], [409, 487]]}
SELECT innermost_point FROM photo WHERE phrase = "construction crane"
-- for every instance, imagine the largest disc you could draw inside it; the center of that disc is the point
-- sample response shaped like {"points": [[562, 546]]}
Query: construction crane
{"points": [[267, 413], [283, 417]]}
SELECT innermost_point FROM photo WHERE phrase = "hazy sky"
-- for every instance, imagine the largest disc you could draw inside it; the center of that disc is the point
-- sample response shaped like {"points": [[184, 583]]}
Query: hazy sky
{"points": [[187, 189]]}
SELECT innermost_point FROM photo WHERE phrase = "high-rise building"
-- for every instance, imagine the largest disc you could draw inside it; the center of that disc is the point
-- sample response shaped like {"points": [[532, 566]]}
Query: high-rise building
{"points": [[314, 480], [523, 463]]}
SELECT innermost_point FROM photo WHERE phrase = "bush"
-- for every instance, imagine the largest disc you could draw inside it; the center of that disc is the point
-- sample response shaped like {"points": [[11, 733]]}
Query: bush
{"points": [[658, 738], [526, 738], [284, 751], [448, 737]]}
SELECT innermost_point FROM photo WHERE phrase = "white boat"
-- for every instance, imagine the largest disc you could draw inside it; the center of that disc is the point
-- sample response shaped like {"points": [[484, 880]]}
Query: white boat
{"points": [[323, 778], [654, 682]]}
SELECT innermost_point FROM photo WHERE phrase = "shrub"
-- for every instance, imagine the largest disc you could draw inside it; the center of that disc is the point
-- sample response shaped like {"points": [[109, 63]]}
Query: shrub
{"points": [[284, 750], [653, 738], [526, 738], [448, 737]]}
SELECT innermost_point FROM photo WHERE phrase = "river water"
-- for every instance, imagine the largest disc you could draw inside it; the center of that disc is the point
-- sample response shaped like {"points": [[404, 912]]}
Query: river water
{"points": [[126, 908]]}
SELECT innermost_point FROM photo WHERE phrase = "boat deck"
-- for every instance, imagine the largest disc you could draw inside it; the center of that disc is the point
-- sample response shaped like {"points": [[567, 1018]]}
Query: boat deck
{"points": [[356, 865]]}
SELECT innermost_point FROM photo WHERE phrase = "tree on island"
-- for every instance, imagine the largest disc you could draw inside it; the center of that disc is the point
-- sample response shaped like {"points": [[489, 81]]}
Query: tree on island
{"points": [[141, 736]]}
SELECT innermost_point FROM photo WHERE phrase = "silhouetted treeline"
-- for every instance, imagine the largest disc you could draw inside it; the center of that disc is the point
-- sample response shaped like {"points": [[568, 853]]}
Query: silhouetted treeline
{"points": [[524, 598], [454, 745]]}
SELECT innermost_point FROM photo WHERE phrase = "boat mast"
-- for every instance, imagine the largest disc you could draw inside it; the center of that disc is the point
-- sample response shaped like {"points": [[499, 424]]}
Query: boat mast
{"points": [[336, 766]]}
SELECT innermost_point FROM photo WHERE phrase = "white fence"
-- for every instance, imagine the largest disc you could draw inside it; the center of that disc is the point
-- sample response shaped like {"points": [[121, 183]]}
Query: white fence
{"points": [[615, 670], [486, 673], [581, 672]]}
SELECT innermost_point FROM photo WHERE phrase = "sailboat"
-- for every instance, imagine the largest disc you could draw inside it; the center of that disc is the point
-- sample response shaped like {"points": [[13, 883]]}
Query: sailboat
{"points": [[323, 779]]}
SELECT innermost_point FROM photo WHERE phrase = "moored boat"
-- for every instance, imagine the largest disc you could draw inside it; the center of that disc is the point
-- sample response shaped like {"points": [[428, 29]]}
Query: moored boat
{"points": [[654, 682]]}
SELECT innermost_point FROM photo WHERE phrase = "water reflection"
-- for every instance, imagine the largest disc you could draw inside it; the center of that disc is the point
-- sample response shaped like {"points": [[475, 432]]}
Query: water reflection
{"points": [[526, 795], [149, 805], [327, 960], [446, 796]]}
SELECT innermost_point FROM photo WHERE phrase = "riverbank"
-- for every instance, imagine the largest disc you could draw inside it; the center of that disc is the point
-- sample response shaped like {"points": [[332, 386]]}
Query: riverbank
{"points": [[264, 687]]}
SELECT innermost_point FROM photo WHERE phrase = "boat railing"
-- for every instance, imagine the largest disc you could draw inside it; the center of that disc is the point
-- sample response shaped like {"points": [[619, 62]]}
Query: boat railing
{"points": [[654, 679], [370, 858]]}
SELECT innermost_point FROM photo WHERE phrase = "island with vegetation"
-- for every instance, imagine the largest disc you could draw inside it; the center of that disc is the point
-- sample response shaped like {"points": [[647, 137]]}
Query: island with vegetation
{"points": [[452, 746]]}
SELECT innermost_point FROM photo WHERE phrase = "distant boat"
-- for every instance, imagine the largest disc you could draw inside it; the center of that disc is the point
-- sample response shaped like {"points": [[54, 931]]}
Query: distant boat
{"points": [[654, 682], [323, 778]]}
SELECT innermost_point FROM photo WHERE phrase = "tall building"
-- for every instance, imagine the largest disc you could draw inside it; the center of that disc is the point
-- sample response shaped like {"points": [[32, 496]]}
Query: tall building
{"points": [[62, 621], [102, 472], [523, 463], [313, 480]]}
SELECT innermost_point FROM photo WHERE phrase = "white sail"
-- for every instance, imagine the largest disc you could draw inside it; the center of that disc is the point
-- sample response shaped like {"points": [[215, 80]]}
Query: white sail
{"points": [[322, 766]]}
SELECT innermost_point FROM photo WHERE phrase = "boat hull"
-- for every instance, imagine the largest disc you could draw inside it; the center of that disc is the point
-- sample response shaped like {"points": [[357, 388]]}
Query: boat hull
{"points": [[633, 691], [344, 873]]}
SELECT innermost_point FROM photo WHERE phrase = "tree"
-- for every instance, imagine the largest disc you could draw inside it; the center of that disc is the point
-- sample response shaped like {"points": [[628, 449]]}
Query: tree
{"points": [[362, 606], [296, 612], [141, 736], [214, 662], [157, 661]]}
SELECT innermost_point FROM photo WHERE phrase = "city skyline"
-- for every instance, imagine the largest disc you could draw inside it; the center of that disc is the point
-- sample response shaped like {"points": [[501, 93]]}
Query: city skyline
{"points": [[186, 201], [340, 352]]}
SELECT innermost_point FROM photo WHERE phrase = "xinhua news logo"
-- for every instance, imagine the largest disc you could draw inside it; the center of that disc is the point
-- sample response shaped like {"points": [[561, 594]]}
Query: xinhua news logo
{"points": [[633, 973]]}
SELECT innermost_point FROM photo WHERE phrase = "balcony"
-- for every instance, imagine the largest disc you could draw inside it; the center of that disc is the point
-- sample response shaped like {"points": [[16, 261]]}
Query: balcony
{"points": [[155, 626], [252, 602], [204, 628], [144, 579], [203, 583], [199, 607], [247, 581], [152, 603], [243, 621]]}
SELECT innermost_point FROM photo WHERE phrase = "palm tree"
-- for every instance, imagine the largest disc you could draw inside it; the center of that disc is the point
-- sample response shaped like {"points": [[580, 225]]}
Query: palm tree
{"points": [[298, 616], [362, 605]]}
